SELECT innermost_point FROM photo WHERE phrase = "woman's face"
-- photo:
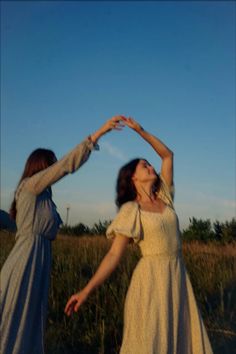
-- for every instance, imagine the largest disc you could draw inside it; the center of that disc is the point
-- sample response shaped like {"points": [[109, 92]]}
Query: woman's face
{"points": [[144, 172]]}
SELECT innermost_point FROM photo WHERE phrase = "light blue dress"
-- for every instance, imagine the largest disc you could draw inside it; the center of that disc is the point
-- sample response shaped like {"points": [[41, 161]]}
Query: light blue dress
{"points": [[25, 275]]}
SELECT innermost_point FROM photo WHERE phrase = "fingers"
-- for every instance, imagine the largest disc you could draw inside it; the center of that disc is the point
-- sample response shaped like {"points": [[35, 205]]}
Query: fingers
{"points": [[131, 120], [132, 123], [116, 122], [75, 302], [77, 306], [118, 126], [70, 305], [68, 309], [118, 118]]}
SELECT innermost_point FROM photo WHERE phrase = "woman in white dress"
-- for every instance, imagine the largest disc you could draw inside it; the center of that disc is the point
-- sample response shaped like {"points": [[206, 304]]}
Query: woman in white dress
{"points": [[161, 315]]}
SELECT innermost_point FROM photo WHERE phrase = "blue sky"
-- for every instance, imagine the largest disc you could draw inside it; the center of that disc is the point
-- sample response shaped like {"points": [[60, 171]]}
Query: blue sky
{"points": [[67, 66]]}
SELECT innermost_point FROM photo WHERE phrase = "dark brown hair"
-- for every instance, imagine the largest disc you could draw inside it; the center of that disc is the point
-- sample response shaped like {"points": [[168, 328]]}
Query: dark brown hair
{"points": [[38, 160], [125, 188]]}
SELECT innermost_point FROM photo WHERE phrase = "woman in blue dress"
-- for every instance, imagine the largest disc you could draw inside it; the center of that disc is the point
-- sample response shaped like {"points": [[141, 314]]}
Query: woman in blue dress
{"points": [[25, 275]]}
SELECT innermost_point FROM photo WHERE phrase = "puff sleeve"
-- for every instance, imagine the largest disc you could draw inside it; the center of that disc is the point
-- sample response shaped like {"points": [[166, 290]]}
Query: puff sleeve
{"points": [[166, 193], [127, 222]]}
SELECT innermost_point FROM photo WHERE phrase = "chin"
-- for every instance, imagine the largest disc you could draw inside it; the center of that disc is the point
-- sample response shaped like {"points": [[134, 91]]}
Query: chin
{"points": [[153, 177]]}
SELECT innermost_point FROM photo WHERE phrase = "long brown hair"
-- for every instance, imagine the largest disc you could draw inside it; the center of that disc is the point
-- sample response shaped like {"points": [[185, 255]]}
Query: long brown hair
{"points": [[125, 188], [37, 161]]}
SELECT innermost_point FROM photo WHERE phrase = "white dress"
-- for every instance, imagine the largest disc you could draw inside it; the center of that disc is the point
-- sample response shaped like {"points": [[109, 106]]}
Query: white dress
{"points": [[161, 315]]}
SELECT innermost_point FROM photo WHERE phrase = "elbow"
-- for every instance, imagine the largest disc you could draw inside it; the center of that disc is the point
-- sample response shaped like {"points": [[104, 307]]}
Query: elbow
{"points": [[169, 155]]}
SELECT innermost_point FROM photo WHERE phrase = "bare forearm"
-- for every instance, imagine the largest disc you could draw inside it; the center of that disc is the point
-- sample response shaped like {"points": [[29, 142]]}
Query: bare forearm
{"points": [[107, 266], [97, 135], [162, 150]]}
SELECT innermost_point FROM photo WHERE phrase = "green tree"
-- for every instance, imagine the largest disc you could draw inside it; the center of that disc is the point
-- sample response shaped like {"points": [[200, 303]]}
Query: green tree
{"points": [[218, 230], [100, 227], [76, 230], [198, 230], [229, 231], [81, 229]]}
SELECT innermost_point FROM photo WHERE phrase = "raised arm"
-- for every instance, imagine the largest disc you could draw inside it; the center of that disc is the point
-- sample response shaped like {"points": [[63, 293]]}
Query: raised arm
{"points": [[162, 150], [107, 266], [115, 123], [72, 161]]}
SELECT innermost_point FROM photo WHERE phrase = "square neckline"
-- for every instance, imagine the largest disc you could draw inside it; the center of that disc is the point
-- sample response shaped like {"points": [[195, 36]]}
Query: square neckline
{"points": [[153, 212]]}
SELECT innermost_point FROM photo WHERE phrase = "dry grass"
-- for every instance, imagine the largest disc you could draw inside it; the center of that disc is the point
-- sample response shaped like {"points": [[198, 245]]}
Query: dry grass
{"points": [[98, 327]]}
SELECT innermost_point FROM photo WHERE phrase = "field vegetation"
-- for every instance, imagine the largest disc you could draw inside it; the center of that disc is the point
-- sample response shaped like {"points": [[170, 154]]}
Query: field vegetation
{"points": [[97, 328]]}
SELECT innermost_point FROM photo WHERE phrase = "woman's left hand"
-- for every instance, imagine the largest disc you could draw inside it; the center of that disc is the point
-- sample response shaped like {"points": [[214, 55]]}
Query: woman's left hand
{"points": [[131, 123], [74, 303]]}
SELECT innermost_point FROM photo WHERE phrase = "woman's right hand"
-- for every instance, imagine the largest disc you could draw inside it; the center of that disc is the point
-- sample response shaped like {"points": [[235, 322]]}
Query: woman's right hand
{"points": [[74, 303], [112, 123]]}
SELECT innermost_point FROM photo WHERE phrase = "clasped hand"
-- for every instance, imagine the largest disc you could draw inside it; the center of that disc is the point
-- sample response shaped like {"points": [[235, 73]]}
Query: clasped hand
{"points": [[118, 122]]}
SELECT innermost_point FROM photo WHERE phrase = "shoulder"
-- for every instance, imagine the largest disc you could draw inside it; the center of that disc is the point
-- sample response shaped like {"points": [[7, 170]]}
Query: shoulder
{"points": [[129, 205], [128, 208], [21, 186], [126, 222], [127, 213]]}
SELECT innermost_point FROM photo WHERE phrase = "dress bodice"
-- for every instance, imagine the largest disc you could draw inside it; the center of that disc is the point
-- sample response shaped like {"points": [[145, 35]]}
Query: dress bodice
{"points": [[156, 233], [160, 232]]}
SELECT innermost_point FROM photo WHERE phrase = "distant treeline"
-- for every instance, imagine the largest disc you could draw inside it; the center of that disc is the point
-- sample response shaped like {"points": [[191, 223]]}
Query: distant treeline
{"points": [[82, 229], [204, 230], [198, 229]]}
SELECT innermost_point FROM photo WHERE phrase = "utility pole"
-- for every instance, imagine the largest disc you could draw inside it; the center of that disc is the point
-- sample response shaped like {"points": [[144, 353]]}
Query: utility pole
{"points": [[67, 214]]}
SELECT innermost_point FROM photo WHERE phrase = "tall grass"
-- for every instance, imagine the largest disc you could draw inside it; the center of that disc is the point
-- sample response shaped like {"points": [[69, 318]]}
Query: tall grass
{"points": [[97, 328]]}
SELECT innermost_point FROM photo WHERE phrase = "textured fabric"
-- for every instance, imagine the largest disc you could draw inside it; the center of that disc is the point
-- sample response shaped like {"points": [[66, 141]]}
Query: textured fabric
{"points": [[161, 314], [127, 222], [26, 272]]}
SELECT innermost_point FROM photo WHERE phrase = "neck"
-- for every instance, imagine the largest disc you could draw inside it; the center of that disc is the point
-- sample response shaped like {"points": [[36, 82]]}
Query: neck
{"points": [[145, 193]]}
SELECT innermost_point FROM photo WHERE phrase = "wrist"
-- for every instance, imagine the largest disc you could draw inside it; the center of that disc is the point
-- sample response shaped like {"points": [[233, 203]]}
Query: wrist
{"points": [[139, 130], [93, 140], [87, 290], [100, 132]]}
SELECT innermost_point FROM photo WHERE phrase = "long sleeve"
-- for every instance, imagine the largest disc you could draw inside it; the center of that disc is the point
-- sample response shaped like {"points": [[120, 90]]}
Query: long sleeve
{"points": [[68, 164]]}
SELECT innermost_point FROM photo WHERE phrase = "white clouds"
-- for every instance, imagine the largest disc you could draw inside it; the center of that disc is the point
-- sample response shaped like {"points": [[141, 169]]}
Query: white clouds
{"points": [[113, 151]]}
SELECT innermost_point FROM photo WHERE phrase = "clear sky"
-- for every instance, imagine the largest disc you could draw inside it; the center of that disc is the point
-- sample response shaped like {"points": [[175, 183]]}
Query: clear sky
{"points": [[67, 66]]}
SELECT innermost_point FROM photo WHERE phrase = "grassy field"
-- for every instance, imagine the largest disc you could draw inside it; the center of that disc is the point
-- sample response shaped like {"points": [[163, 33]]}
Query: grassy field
{"points": [[97, 329]]}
